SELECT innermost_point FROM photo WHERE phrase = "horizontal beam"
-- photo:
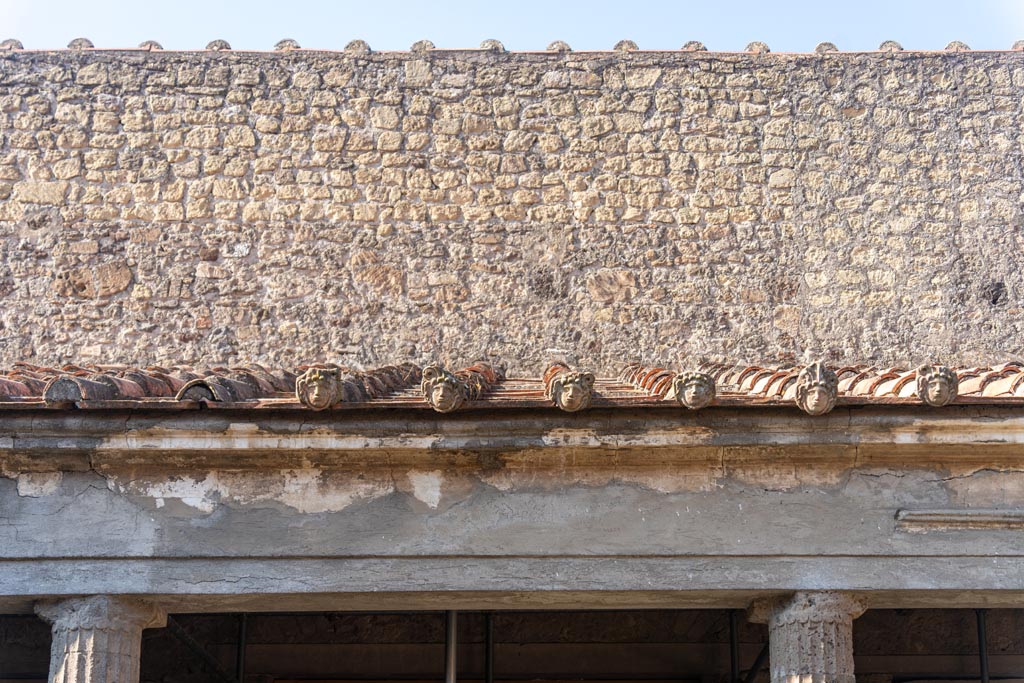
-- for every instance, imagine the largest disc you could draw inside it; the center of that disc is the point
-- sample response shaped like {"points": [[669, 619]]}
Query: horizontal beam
{"points": [[72, 440], [476, 583]]}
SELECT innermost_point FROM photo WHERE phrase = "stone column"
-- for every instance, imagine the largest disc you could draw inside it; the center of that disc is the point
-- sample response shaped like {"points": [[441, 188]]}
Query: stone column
{"points": [[98, 639], [810, 635]]}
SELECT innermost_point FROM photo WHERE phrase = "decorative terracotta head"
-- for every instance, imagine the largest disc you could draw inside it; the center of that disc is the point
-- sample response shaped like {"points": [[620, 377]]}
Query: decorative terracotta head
{"points": [[318, 388], [694, 390], [442, 390], [937, 385], [817, 388], [572, 391]]}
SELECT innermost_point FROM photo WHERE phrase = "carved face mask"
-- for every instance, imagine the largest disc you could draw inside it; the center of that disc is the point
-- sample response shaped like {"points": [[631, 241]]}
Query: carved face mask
{"points": [[319, 395], [444, 397], [695, 394], [316, 391], [818, 399], [572, 396], [938, 391]]}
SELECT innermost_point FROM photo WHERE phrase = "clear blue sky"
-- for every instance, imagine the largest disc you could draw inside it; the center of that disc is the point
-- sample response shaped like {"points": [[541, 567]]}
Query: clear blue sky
{"points": [[519, 24]]}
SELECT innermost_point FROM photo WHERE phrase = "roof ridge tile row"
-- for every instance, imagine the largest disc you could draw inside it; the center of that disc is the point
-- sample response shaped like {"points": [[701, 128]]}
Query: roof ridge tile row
{"points": [[495, 46]]}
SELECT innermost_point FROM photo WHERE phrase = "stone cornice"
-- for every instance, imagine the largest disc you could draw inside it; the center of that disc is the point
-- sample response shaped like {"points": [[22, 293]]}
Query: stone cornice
{"points": [[981, 436]]}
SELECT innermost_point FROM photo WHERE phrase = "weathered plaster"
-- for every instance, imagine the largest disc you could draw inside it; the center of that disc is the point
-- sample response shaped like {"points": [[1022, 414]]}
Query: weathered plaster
{"points": [[37, 484], [307, 490], [719, 506]]}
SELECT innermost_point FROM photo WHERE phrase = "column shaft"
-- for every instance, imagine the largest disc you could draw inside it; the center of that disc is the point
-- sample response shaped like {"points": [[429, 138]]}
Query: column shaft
{"points": [[811, 636]]}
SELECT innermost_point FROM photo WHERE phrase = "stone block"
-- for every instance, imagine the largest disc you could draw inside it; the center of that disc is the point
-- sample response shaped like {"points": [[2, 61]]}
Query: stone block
{"points": [[50, 193]]}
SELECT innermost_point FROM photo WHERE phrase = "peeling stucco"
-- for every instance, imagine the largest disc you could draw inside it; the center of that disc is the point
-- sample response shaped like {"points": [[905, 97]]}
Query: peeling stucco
{"points": [[37, 484], [304, 490], [426, 486]]}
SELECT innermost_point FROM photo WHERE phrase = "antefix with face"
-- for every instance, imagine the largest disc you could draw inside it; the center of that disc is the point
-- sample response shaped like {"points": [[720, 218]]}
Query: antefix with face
{"points": [[318, 388], [937, 385], [694, 389], [569, 389], [817, 389]]}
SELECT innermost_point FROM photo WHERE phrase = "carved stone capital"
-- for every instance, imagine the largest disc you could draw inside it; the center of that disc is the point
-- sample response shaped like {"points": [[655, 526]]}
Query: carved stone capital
{"points": [[98, 639], [805, 607], [810, 635], [104, 612]]}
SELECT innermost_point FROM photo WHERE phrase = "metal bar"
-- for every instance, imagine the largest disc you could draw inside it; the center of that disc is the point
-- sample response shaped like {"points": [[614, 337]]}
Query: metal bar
{"points": [[243, 627], [192, 644], [734, 647], [762, 659], [489, 648], [982, 644], [451, 645]]}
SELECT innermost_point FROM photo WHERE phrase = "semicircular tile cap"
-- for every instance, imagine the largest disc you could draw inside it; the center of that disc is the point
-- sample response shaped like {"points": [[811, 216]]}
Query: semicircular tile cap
{"points": [[822, 48], [958, 46], [150, 45], [890, 46], [757, 47], [422, 46], [559, 46], [1018, 45], [492, 45], [287, 44], [80, 44], [12, 44], [360, 46], [626, 46], [218, 45], [694, 46]]}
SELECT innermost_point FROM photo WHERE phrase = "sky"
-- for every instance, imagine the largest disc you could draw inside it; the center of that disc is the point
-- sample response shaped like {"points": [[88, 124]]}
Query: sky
{"points": [[519, 24]]}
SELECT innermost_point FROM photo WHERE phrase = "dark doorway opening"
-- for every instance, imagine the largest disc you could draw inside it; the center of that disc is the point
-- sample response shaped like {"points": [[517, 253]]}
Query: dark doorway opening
{"points": [[645, 646]]}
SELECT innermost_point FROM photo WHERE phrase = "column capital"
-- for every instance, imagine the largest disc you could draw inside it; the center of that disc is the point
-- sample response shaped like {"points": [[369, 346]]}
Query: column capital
{"points": [[104, 612], [806, 607]]}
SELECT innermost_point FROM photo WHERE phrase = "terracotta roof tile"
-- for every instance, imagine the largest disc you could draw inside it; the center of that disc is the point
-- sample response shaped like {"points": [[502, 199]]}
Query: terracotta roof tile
{"points": [[399, 386], [1002, 386]]}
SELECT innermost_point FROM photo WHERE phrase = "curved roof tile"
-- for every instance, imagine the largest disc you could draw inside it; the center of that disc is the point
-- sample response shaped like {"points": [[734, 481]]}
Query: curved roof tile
{"points": [[92, 385]]}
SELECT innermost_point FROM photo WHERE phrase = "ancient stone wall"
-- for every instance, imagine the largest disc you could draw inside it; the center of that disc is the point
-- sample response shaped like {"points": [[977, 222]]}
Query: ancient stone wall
{"points": [[367, 207]]}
